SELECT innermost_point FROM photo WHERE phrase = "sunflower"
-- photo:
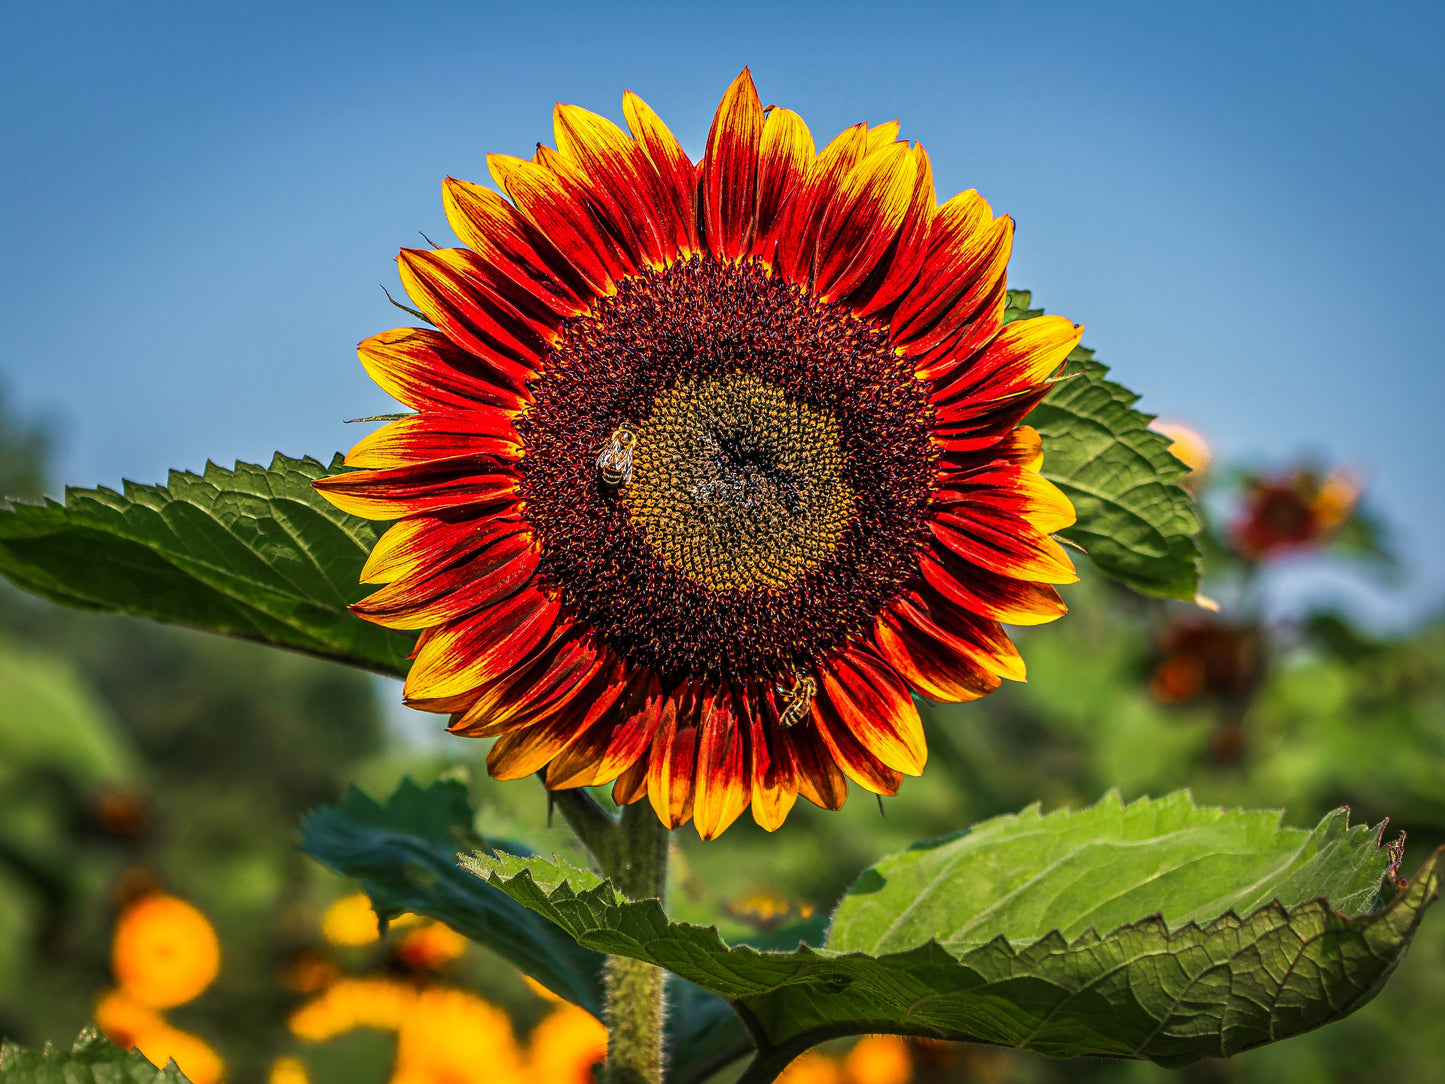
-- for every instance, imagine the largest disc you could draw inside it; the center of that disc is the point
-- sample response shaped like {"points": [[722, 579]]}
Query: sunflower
{"points": [[713, 465]]}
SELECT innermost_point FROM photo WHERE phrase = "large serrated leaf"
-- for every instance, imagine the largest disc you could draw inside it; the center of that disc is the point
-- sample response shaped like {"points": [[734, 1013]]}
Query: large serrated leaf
{"points": [[918, 946], [405, 854], [1136, 522], [252, 552], [92, 1060]]}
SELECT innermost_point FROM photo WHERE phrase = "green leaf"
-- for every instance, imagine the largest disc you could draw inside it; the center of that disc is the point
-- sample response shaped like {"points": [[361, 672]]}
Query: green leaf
{"points": [[1136, 522], [405, 853], [251, 552], [1156, 930], [92, 1060]]}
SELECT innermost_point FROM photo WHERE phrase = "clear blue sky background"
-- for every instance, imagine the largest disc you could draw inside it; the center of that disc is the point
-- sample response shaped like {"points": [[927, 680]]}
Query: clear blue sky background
{"points": [[1242, 202]]}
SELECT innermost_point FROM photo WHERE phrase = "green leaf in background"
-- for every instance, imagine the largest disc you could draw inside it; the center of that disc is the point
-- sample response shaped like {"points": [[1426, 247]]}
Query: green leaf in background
{"points": [[1136, 522], [92, 1060], [405, 853], [252, 552], [1156, 930]]}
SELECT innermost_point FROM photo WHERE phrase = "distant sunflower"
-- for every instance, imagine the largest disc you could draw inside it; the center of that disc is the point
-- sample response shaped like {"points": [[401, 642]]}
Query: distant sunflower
{"points": [[713, 465]]}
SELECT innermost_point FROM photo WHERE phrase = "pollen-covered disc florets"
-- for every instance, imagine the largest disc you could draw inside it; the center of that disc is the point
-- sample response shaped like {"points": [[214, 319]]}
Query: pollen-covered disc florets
{"points": [[713, 467]]}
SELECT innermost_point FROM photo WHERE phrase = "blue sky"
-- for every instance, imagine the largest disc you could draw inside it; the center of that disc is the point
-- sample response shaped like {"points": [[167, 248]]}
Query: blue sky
{"points": [[1241, 202]]}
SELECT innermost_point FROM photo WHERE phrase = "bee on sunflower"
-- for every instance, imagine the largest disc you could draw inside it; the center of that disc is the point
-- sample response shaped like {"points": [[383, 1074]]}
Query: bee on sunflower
{"points": [[714, 465]]}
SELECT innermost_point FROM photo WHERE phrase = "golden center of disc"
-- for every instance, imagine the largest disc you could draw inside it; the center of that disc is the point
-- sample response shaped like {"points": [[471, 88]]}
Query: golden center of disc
{"points": [[736, 485]]}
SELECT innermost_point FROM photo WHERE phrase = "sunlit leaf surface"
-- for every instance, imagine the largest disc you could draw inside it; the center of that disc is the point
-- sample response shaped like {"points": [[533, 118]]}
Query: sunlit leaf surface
{"points": [[252, 552], [1156, 930]]}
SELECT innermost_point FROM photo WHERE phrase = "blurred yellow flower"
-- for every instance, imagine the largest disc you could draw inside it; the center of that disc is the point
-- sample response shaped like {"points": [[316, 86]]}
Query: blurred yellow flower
{"points": [[453, 1037], [430, 946], [566, 1046], [1187, 446], [879, 1059], [768, 910], [811, 1068], [133, 1026], [350, 922], [348, 1004], [165, 951], [541, 991], [122, 1019], [288, 1071]]}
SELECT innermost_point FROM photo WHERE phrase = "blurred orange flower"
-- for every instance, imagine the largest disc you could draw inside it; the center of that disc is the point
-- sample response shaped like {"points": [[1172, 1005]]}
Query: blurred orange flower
{"points": [[878, 1059], [566, 1047], [288, 1071], [132, 1025], [1187, 446], [165, 951], [811, 1068], [348, 1004], [453, 1037], [431, 946]]}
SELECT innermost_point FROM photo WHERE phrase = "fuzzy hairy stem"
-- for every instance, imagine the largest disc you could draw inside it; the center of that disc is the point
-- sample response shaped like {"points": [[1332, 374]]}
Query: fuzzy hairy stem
{"points": [[634, 1006]]}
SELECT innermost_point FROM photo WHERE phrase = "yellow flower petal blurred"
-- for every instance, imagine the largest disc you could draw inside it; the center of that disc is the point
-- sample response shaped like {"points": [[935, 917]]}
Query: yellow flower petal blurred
{"points": [[165, 951], [811, 1068], [348, 1004], [453, 1037], [565, 1046], [879, 1059], [350, 922], [1188, 446], [288, 1071], [192, 1054]]}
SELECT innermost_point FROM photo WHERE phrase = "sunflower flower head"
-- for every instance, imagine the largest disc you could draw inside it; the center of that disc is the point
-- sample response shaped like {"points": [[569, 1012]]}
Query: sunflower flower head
{"points": [[1294, 511], [713, 465]]}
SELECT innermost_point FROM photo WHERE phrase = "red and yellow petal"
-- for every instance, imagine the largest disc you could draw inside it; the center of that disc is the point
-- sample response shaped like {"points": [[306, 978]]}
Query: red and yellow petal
{"points": [[467, 654], [424, 370], [672, 763], [803, 214], [618, 740], [868, 697], [728, 182], [785, 155], [856, 760], [931, 667], [526, 750], [443, 594], [436, 435], [988, 594], [473, 482], [674, 170], [773, 771], [722, 790]]}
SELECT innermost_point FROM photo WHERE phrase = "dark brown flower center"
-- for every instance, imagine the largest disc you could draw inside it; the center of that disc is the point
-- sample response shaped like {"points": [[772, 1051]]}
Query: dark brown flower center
{"points": [[728, 477]]}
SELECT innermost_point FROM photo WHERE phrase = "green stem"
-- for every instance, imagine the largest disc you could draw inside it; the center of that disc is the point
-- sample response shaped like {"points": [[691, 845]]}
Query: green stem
{"points": [[632, 853], [634, 1006]]}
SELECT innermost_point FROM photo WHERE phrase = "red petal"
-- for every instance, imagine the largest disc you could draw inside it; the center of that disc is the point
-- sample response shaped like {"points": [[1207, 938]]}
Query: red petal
{"points": [[730, 171], [435, 435], [785, 155], [721, 792], [445, 594], [506, 240], [864, 219], [850, 754], [675, 171], [1003, 598], [554, 210], [449, 286], [819, 779], [480, 648], [877, 708], [931, 667], [425, 370], [473, 481], [425, 542], [773, 770], [803, 215], [983, 642], [672, 765], [901, 267], [523, 751], [616, 741]]}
